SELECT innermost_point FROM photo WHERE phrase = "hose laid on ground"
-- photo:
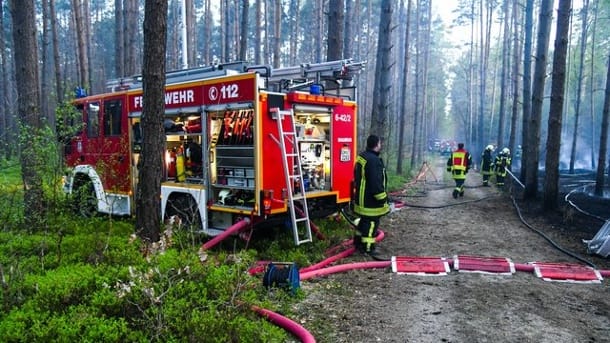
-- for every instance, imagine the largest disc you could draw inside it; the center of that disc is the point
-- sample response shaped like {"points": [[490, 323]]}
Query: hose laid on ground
{"points": [[578, 208], [344, 267], [233, 229], [295, 328], [565, 251], [451, 204]]}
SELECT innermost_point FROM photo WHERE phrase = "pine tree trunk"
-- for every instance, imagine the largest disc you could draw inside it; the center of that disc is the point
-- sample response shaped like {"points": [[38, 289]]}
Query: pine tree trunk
{"points": [[59, 90], [404, 93], [579, 80], [148, 193], [27, 78], [553, 143], [545, 20], [527, 85], [383, 72], [336, 24], [257, 32], [603, 140], [119, 29], [243, 36]]}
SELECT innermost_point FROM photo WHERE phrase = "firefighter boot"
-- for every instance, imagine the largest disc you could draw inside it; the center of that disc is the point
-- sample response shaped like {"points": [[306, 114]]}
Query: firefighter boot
{"points": [[455, 193], [462, 191]]}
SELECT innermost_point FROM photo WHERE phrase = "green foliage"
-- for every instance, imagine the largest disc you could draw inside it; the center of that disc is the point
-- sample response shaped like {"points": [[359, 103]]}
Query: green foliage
{"points": [[396, 182], [11, 191], [89, 279]]}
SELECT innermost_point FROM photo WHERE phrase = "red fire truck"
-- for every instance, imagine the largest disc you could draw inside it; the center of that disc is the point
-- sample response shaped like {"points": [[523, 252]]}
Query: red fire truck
{"points": [[244, 145]]}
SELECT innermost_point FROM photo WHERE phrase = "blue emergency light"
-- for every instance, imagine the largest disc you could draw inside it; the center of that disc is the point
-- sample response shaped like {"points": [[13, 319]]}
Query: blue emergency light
{"points": [[80, 92]]}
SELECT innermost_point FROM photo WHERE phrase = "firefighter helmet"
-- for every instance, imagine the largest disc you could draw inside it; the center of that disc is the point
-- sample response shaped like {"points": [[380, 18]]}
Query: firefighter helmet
{"points": [[506, 151], [489, 147], [224, 197]]}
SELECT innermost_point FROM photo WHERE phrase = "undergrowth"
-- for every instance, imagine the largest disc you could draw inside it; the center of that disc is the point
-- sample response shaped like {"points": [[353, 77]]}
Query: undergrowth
{"points": [[89, 280]]}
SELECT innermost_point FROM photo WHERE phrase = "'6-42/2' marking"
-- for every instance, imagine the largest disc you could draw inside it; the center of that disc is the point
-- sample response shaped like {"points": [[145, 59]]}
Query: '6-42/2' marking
{"points": [[229, 91], [343, 117]]}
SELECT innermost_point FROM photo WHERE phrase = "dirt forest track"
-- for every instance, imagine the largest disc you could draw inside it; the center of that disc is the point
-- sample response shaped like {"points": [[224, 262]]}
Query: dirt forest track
{"points": [[377, 305]]}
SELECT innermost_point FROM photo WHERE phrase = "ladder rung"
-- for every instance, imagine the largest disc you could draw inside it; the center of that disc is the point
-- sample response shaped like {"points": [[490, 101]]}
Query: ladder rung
{"points": [[298, 198]]}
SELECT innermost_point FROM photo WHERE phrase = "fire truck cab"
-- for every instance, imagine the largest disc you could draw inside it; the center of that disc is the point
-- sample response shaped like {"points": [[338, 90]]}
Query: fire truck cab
{"points": [[244, 145]]}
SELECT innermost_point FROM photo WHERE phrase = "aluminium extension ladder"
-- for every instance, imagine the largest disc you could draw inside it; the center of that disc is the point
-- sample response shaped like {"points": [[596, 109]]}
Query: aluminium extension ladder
{"points": [[288, 141]]}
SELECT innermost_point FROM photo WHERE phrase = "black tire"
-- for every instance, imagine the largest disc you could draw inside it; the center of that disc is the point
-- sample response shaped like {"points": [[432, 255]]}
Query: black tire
{"points": [[84, 201], [184, 207]]}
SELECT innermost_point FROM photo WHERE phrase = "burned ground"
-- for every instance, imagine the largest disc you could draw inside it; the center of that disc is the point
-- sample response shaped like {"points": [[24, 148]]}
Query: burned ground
{"points": [[377, 305]]}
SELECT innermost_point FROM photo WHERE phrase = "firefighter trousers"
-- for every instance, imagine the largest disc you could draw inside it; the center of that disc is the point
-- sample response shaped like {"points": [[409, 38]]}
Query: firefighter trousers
{"points": [[367, 231]]}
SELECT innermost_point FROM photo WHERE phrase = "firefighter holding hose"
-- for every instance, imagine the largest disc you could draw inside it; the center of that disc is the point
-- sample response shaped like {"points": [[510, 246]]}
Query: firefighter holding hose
{"points": [[502, 163], [370, 195], [458, 164]]}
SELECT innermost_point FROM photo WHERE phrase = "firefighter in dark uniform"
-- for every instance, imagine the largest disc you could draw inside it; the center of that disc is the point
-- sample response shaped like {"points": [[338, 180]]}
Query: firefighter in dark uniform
{"points": [[458, 164], [370, 195], [487, 164], [502, 164]]}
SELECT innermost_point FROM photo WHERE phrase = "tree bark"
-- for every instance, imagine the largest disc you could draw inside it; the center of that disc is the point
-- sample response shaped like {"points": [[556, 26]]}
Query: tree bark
{"points": [[348, 33], [336, 24], [27, 78], [553, 143], [257, 32], [504, 76], [3, 87], [191, 33], [119, 29], [148, 193], [295, 13], [603, 140], [277, 33], [243, 36], [383, 72], [59, 89], [580, 81], [81, 43], [131, 36], [207, 33], [532, 150], [516, 63], [527, 84], [419, 71], [44, 83], [404, 93]]}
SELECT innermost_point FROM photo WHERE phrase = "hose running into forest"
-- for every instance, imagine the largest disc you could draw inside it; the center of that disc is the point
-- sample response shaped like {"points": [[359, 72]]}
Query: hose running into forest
{"points": [[567, 199], [547, 238]]}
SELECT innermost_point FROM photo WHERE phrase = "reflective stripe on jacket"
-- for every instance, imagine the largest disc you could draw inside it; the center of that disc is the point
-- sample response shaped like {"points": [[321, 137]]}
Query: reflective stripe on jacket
{"points": [[458, 160], [370, 182], [502, 163], [486, 163], [459, 163]]}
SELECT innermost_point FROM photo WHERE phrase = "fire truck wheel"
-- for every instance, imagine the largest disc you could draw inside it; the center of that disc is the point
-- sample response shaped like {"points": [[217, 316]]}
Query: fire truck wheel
{"points": [[84, 200], [184, 207]]}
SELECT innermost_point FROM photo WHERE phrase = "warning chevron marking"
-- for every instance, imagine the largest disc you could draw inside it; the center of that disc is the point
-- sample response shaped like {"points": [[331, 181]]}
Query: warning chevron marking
{"points": [[566, 272], [416, 265]]}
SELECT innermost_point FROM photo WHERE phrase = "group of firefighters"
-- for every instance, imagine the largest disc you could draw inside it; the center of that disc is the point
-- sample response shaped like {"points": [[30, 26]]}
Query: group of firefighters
{"points": [[460, 162], [370, 196]]}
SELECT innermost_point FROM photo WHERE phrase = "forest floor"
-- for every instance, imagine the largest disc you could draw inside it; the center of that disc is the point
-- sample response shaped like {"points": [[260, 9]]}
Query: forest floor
{"points": [[378, 305]]}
